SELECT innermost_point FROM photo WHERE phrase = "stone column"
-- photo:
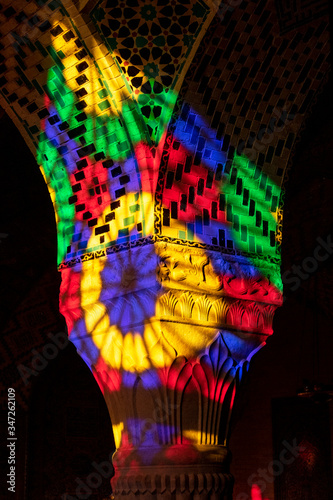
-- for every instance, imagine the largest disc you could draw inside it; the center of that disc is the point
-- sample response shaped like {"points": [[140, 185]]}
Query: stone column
{"points": [[167, 242], [169, 341]]}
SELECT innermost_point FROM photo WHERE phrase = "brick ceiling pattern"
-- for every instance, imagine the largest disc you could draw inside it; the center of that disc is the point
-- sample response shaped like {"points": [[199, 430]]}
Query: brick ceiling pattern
{"points": [[248, 91]]}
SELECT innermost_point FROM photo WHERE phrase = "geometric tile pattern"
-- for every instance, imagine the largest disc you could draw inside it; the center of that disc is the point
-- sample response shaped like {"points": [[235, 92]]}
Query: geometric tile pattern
{"points": [[247, 102], [151, 42], [254, 86], [239, 110], [294, 14], [209, 198]]}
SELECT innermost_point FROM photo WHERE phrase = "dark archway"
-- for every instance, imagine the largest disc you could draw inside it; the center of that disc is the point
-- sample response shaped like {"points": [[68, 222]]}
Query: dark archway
{"points": [[70, 435], [302, 329], [63, 425]]}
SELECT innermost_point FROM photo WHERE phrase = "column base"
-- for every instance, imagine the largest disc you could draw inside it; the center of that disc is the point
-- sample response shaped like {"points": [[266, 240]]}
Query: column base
{"points": [[176, 472]]}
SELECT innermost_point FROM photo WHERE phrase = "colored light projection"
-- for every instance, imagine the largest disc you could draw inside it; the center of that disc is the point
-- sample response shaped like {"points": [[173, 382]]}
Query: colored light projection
{"points": [[143, 311], [256, 493]]}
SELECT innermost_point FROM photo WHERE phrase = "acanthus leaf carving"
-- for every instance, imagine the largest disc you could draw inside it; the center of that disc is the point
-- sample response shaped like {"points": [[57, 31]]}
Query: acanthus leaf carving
{"points": [[202, 308], [219, 311], [186, 304], [168, 303]]}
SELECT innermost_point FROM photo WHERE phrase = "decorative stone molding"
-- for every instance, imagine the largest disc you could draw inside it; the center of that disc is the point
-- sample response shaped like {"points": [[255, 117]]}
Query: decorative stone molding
{"points": [[196, 474], [216, 273], [217, 312]]}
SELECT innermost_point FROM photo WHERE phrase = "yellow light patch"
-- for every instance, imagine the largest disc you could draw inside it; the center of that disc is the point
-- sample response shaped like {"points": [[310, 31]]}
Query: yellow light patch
{"points": [[113, 84], [117, 431], [160, 350], [52, 194], [144, 215], [130, 350], [70, 73], [192, 436], [91, 282], [111, 346]]}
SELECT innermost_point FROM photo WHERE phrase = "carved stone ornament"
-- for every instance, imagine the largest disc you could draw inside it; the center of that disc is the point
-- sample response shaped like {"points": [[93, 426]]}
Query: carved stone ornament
{"points": [[169, 336]]}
